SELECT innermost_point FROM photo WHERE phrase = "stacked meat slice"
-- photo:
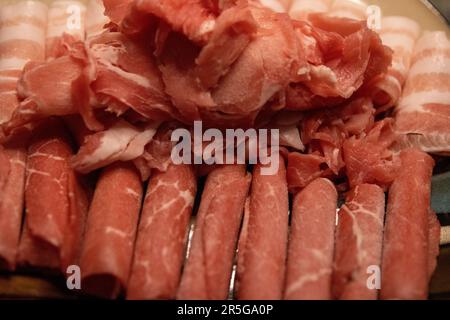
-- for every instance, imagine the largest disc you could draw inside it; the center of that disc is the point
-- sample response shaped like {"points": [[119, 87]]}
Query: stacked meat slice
{"points": [[221, 65], [423, 116]]}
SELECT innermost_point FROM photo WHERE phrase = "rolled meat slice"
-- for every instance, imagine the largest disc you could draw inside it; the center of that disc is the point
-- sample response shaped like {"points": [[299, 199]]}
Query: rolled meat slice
{"points": [[400, 34], [111, 230], [95, 18], [22, 36], [311, 242], [359, 239], [300, 9], [405, 264], [161, 240], [65, 17], [423, 114], [351, 9], [12, 174], [56, 202], [208, 269], [261, 267]]}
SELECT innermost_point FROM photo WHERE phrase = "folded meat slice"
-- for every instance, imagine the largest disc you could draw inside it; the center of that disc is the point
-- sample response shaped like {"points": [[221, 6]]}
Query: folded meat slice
{"points": [[363, 56], [324, 134], [359, 239], [311, 242], [209, 83], [43, 95], [127, 76], [300, 9], [261, 259], [406, 276], [423, 114], [261, 71], [121, 142], [116, 10], [368, 159], [194, 18], [111, 230], [64, 17], [342, 55], [95, 18], [234, 30], [349, 9], [207, 271], [56, 202], [109, 71], [162, 234], [158, 153], [400, 34]]}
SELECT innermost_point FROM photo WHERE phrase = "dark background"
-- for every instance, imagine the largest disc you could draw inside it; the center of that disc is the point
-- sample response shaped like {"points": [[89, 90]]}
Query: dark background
{"points": [[443, 6]]}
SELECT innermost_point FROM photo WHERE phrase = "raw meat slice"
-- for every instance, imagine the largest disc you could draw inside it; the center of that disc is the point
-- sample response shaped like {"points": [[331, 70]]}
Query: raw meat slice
{"points": [[368, 159], [158, 153], [342, 56], [262, 270], [64, 17], [406, 276], [22, 34], [324, 134], [43, 95], [311, 242], [423, 114], [234, 30], [127, 77], [56, 202], [400, 34], [193, 18], [363, 56], [111, 230], [161, 240], [12, 181], [359, 239], [207, 271], [303, 169], [259, 71], [121, 142], [110, 71]]}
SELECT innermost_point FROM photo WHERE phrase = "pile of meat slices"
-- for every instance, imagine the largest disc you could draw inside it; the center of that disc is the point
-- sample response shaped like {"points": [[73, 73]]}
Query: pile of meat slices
{"points": [[357, 111]]}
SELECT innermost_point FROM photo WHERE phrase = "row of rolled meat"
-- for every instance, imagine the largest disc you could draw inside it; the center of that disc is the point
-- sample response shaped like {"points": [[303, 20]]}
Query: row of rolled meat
{"points": [[137, 240]]}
